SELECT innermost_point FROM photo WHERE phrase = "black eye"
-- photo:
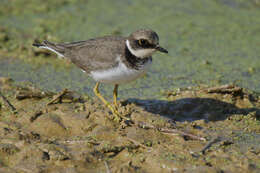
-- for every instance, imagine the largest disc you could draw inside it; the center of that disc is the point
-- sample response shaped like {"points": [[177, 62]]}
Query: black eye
{"points": [[142, 42]]}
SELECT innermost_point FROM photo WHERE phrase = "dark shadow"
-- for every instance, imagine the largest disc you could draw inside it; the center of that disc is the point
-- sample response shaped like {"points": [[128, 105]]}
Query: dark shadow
{"points": [[190, 109]]}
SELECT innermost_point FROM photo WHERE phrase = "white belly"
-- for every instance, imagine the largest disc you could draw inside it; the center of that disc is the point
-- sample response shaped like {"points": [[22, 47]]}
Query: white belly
{"points": [[120, 74]]}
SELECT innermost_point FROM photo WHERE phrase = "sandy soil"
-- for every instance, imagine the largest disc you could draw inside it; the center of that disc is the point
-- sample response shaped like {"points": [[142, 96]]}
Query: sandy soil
{"points": [[192, 130]]}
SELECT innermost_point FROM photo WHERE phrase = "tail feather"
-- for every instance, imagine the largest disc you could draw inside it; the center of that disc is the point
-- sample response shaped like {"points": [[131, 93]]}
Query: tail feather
{"points": [[59, 50]]}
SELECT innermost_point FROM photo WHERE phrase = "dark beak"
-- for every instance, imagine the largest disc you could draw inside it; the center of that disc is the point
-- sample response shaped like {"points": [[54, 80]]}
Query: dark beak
{"points": [[161, 49]]}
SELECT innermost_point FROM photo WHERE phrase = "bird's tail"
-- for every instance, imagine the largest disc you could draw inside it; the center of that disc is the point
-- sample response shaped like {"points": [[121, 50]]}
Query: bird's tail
{"points": [[56, 48]]}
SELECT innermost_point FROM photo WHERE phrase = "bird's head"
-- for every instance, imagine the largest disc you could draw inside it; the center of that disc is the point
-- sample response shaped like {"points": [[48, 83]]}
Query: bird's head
{"points": [[143, 43]]}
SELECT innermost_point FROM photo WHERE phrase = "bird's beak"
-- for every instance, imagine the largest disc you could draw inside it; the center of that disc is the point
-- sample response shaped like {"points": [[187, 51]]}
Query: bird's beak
{"points": [[159, 48]]}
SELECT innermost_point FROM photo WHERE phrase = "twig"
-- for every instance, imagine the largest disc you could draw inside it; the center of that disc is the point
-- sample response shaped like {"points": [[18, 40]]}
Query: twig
{"points": [[107, 167], [6, 101], [20, 95], [36, 115], [113, 149], [224, 89], [175, 131], [58, 97], [145, 125], [171, 131], [136, 142], [209, 144]]}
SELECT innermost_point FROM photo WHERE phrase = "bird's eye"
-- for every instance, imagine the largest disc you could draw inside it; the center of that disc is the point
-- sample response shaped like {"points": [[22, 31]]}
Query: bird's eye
{"points": [[142, 42]]}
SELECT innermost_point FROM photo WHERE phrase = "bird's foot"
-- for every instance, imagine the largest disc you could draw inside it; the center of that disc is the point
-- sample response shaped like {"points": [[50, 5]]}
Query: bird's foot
{"points": [[117, 117]]}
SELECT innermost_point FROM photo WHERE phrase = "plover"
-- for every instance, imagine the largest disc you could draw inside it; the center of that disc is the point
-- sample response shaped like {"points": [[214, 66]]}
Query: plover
{"points": [[111, 59]]}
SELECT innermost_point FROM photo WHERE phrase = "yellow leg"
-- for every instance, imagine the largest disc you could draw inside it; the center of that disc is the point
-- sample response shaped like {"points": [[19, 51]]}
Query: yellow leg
{"points": [[115, 113], [115, 96]]}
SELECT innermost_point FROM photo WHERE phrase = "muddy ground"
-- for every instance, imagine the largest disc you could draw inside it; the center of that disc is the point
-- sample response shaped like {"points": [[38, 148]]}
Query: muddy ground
{"points": [[194, 129], [198, 129]]}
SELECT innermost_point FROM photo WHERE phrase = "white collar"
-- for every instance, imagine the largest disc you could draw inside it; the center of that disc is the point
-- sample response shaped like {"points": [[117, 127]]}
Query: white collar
{"points": [[142, 53]]}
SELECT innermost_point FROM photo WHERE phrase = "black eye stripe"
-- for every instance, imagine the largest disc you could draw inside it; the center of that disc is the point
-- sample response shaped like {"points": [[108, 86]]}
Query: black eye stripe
{"points": [[144, 43]]}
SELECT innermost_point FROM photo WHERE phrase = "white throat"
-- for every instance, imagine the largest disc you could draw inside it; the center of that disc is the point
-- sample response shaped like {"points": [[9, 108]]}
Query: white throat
{"points": [[142, 53]]}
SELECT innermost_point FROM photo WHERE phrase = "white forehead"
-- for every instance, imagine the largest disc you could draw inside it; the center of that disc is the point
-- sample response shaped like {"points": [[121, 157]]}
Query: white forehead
{"points": [[149, 35]]}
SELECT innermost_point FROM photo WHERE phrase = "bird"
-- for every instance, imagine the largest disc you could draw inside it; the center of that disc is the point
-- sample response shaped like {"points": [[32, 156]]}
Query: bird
{"points": [[112, 59]]}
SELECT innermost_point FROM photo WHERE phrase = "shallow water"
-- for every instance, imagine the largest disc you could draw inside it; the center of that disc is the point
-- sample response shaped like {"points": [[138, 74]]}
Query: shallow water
{"points": [[209, 42]]}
